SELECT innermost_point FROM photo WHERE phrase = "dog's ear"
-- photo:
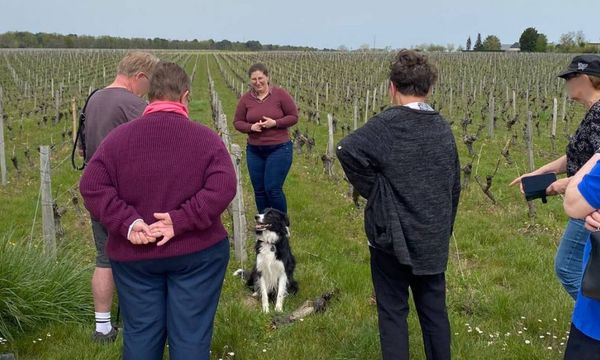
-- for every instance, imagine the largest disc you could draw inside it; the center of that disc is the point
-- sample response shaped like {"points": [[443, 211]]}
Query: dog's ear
{"points": [[285, 217]]}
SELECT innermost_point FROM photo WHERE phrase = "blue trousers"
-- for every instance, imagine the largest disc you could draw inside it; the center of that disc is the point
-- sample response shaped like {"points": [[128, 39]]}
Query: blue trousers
{"points": [[174, 298], [569, 257], [268, 166]]}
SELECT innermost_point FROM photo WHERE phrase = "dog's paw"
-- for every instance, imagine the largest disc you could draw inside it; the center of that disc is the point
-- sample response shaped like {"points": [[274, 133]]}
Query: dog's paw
{"points": [[278, 308], [265, 309]]}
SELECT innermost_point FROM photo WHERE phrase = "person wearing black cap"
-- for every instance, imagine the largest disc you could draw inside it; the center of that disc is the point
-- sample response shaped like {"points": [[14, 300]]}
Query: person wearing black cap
{"points": [[583, 86]]}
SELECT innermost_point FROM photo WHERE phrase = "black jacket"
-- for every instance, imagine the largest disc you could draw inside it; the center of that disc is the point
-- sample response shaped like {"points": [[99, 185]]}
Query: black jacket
{"points": [[405, 163]]}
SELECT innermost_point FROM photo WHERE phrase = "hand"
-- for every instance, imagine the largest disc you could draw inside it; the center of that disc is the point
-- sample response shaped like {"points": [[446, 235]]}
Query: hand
{"points": [[592, 221], [141, 234], [558, 187], [163, 226], [268, 123], [518, 180], [256, 127]]}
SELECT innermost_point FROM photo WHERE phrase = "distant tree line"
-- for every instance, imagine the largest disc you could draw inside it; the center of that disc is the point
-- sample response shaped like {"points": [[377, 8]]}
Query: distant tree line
{"points": [[532, 40], [24, 39]]}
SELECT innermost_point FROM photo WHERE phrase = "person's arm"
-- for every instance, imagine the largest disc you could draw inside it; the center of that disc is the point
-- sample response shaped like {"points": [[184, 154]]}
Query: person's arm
{"points": [[456, 189], [558, 166], [239, 119], [100, 196], [201, 210], [290, 111], [583, 193], [359, 154]]}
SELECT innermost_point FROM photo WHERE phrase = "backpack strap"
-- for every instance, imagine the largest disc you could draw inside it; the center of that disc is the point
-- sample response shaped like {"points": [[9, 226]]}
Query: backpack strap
{"points": [[80, 137]]}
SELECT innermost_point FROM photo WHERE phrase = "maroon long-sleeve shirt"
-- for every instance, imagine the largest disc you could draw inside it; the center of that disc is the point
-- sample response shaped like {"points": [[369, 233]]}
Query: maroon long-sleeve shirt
{"points": [[278, 105], [161, 162]]}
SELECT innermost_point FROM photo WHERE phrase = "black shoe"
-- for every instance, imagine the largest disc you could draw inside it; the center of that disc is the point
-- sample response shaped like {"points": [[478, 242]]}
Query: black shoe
{"points": [[105, 338]]}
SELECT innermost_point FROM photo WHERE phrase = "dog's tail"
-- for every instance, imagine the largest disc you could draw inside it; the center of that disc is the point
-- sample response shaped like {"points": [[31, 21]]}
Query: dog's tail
{"points": [[245, 275], [241, 273]]}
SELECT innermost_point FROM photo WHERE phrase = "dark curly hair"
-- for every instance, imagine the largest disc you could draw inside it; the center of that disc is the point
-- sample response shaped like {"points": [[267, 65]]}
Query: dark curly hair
{"points": [[412, 74], [258, 67]]}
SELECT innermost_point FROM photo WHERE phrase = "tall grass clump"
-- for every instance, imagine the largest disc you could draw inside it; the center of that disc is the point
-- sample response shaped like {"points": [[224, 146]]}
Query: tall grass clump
{"points": [[36, 290]]}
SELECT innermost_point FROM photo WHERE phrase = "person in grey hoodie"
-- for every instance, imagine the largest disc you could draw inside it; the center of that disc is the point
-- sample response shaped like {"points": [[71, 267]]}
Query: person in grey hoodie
{"points": [[404, 161]]}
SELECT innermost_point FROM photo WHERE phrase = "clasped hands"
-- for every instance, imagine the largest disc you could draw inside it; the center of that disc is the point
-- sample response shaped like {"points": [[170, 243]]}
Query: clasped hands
{"points": [[265, 123], [161, 231]]}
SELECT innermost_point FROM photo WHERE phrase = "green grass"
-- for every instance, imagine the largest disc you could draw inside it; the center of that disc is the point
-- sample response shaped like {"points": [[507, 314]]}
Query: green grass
{"points": [[36, 289], [500, 276]]}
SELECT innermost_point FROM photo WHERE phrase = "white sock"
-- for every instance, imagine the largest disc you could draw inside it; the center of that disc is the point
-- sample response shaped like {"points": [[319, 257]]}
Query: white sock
{"points": [[103, 324]]}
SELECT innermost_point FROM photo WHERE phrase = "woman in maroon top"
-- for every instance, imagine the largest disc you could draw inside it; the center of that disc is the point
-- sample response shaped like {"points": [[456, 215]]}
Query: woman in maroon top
{"points": [[159, 185], [265, 113]]}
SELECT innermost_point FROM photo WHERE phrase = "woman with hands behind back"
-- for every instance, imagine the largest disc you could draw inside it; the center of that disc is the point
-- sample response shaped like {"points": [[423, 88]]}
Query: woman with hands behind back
{"points": [[159, 184]]}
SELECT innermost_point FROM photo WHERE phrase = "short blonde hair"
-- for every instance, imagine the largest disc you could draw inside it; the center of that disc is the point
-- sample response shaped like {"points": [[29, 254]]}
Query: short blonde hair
{"points": [[135, 62]]}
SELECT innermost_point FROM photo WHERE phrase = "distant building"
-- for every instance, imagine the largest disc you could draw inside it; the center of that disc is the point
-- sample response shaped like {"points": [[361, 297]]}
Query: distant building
{"points": [[516, 47], [594, 45]]}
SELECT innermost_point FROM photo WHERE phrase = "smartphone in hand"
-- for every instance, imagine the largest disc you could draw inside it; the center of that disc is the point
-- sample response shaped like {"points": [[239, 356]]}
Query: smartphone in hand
{"points": [[535, 186]]}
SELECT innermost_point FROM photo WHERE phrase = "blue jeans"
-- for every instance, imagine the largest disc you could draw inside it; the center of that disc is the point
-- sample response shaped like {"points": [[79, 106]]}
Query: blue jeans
{"points": [[175, 297], [569, 257], [268, 166]]}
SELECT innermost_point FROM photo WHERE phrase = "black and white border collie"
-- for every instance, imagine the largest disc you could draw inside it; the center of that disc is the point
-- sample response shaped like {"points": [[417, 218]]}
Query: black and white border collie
{"points": [[273, 274]]}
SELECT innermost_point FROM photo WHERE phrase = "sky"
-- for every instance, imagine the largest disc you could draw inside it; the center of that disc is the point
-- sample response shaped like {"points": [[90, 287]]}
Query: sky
{"points": [[321, 24]]}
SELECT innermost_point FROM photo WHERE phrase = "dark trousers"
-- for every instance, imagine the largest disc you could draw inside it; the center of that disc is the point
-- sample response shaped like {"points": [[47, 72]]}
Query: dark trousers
{"points": [[581, 347], [268, 166], [391, 281], [175, 297]]}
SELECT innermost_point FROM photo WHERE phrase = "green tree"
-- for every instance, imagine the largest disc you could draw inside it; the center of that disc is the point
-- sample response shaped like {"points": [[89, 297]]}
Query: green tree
{"points": [[580, 39], [253, 45], [528, 39], [541, 44], [478, 44], [23, 39], [492, 43], [469, 43], [223, 45]]}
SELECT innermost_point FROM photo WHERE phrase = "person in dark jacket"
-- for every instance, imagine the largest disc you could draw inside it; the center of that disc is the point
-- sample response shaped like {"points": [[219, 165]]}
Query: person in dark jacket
{"points": [[404, 161]]}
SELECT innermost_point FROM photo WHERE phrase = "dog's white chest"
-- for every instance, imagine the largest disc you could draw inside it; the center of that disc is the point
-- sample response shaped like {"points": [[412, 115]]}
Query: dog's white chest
{"points": [[270, 268]]}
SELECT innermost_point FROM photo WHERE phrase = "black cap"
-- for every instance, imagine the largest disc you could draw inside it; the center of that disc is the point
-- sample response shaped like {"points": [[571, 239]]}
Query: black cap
{"points": [[583, 64]]}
